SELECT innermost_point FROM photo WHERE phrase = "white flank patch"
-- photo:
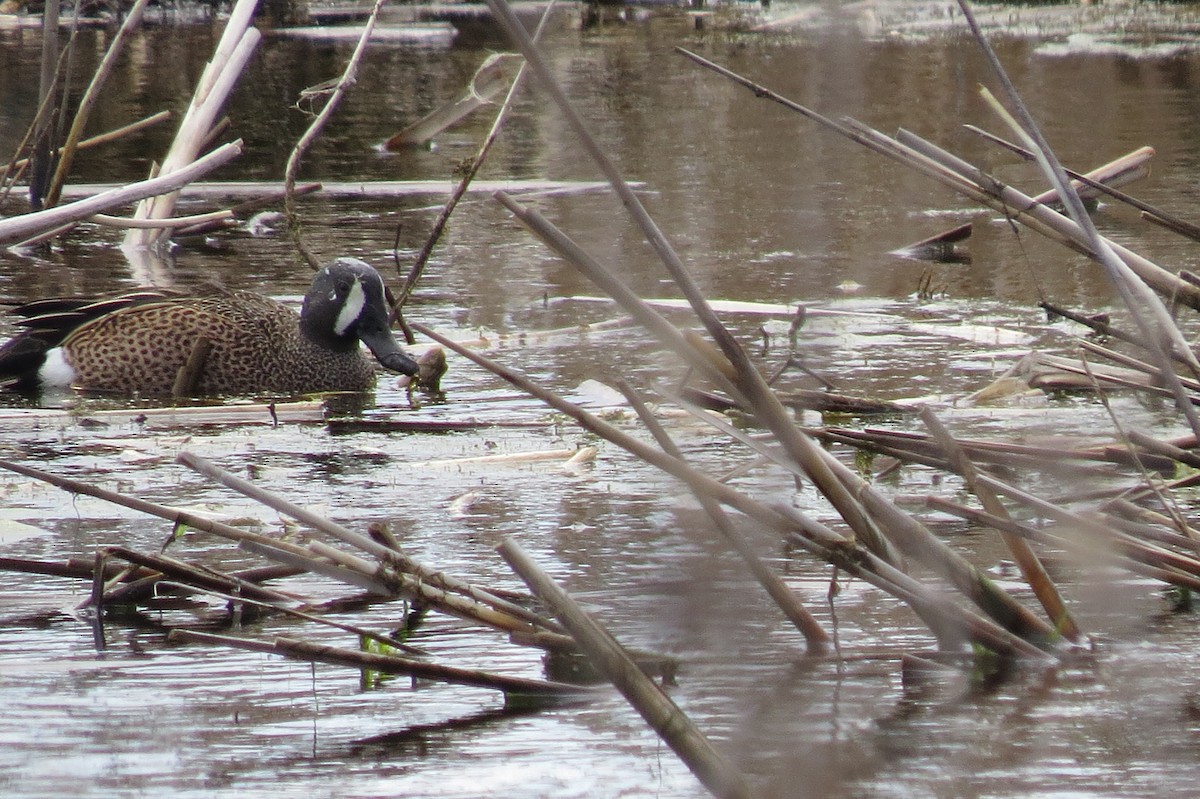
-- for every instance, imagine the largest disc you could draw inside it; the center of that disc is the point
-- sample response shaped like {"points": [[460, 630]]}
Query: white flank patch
{"points": [[55, 371], [351, 308]]}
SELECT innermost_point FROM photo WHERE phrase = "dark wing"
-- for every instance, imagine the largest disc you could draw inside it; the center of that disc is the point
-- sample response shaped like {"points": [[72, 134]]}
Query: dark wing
{"points": [[47, 322]]}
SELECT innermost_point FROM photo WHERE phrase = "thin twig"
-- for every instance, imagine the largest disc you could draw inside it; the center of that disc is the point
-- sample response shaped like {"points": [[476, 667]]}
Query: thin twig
{"points": [[314, 130]]}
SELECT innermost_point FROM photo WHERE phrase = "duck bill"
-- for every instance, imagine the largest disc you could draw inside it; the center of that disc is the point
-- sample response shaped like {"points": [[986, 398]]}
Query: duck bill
{"points": [[386, 349]]}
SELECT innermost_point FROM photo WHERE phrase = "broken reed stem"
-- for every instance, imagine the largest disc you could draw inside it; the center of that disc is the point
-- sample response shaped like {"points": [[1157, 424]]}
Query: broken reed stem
{"points": [[839, 484], [99, 139], [18, 228], [662, 714], [90, 97], [386, 664], [200, 576], [814, 635], [1134, 363], [1027, 560], [845, 491], [435, 234], [1117, 554], [419, 590], [234, 49], [840, 551], [363, 574], [1131, 547], [1158, 215], [1097, 325], [1152, 318], [354, 629], [394, 558], [314, 130]]}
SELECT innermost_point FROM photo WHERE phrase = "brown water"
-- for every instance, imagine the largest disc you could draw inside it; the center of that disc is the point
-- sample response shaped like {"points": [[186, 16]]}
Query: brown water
{"points": [[764, 207]]}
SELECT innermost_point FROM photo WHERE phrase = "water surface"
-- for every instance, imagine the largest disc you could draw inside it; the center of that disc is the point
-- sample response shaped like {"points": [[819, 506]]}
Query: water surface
{"points": [[763, 206]]}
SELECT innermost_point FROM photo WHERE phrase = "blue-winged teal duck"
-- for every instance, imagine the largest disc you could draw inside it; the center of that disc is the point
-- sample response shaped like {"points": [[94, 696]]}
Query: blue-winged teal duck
{"points": [[239, 342]]}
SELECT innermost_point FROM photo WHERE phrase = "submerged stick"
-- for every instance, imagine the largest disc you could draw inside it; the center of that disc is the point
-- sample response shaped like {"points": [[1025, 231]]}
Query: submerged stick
{"points": [[662, 714], [387, 664]]}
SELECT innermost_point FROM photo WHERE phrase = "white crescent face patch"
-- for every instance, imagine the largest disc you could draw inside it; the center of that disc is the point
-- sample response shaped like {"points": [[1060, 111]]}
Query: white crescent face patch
{"points": [[352, 307]]}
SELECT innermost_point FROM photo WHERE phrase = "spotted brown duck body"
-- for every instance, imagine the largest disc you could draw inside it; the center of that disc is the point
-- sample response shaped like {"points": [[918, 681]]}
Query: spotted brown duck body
{"points": [[138, 343]]}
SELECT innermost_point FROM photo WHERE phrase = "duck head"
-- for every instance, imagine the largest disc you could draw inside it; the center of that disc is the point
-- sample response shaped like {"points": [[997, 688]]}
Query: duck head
{"points": [[347, 304]]}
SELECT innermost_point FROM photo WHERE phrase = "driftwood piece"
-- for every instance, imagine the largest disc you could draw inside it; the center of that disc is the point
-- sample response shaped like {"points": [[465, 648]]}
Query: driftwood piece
{"points": [[491, 79]]}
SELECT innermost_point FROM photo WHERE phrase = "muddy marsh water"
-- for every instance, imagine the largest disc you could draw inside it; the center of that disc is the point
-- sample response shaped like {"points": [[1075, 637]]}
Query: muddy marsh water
{"points": [[763, 207]]}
